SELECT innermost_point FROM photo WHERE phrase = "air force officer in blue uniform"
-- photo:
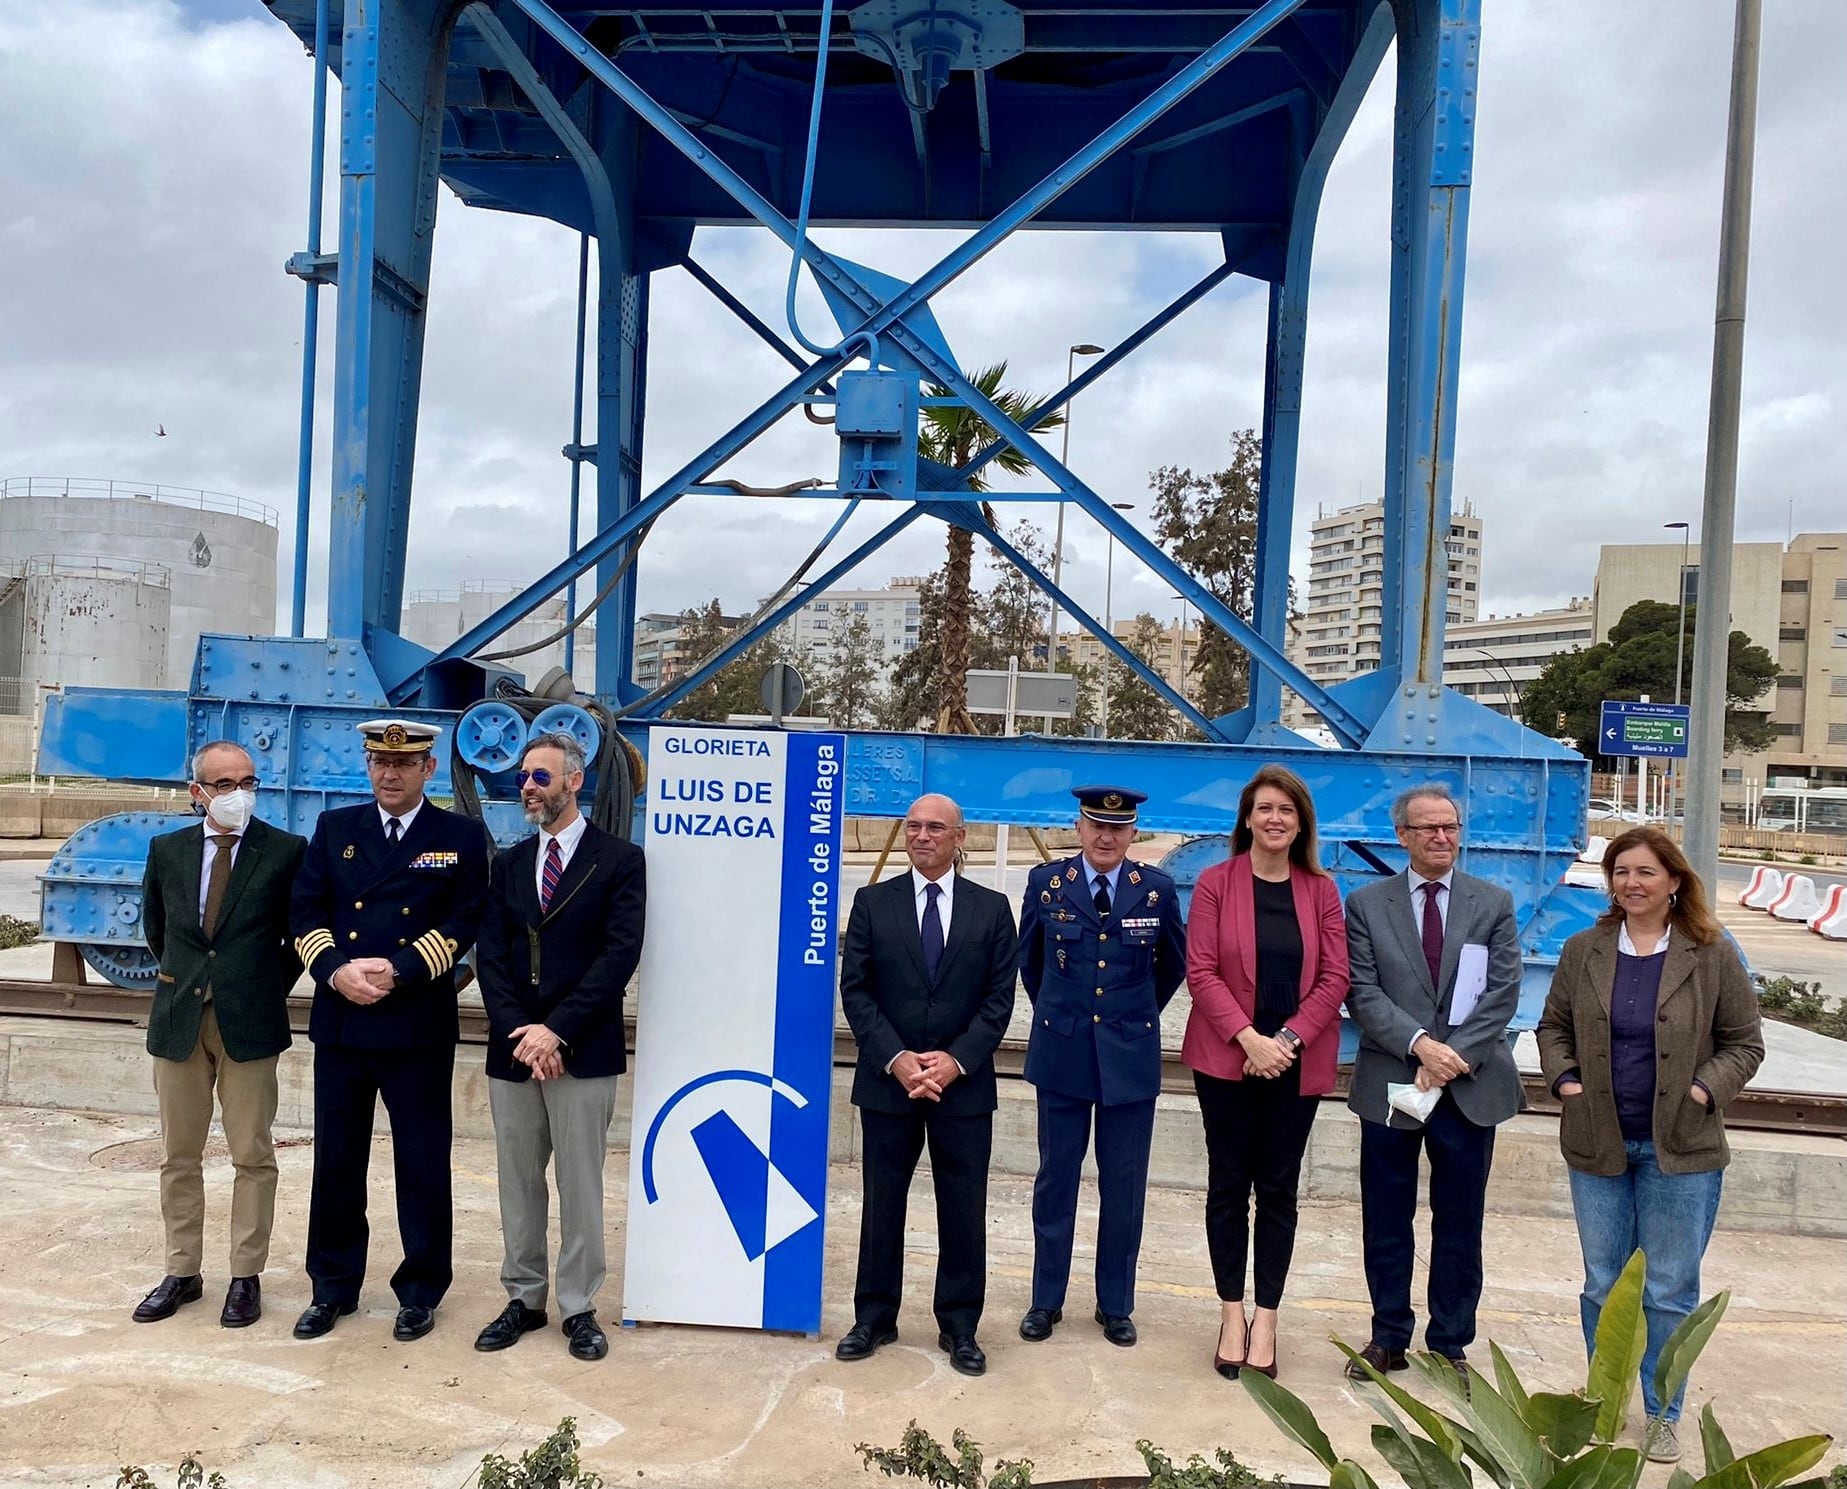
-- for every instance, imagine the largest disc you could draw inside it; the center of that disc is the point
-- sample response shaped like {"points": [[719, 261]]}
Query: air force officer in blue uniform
{"points": [[1102, 950]]}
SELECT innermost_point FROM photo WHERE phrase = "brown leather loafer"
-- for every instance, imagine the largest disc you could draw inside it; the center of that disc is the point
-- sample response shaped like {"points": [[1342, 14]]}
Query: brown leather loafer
{"points": [[1380, 1358], [243, 1303], [167, 1298]]}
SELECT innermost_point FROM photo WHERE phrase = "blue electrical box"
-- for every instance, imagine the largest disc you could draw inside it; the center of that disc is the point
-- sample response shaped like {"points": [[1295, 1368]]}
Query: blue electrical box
{"points": [[875, 417]]}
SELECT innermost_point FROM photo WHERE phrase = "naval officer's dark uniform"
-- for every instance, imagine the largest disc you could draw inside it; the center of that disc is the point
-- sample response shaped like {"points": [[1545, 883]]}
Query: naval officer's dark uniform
{"points": [[417, 903], [1098, 983]]}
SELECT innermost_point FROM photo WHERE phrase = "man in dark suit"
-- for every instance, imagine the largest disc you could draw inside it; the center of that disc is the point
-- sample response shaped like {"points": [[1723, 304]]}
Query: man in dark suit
{"points": [[559, 942], [215, 912], [389, 896], [1435, 957], [927, 985], [1102, 950]]}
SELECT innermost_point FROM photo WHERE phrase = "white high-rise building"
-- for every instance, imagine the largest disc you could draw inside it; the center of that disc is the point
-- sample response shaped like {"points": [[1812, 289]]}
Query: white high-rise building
{"points": [[892, 615]]}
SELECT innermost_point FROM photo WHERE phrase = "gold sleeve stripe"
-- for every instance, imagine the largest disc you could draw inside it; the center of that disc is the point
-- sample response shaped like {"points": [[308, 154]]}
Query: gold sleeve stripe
{"points": [[435, 953], [312, 945]]}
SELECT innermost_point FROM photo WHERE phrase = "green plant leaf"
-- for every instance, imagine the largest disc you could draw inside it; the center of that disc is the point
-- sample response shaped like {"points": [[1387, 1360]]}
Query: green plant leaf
{"points": [[1346, 1474], [1768, 1467], [1439, 1375], [1717, 1446], [1565, 1422], [1622, 1337], [1526, 1460], [1438, 1428], [1582, 1471], [1685, 1343], [1679, 1479], [1475, 1448], [1622, 1469], [1420, 1463], [1283, 1407], [1508, 1382]]}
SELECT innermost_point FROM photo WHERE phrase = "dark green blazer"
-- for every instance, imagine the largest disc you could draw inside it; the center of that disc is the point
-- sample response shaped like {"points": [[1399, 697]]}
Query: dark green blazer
{"points": [[248, 964]]}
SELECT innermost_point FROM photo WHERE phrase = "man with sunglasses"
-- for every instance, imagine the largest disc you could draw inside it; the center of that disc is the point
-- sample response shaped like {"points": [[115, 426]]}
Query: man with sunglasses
{"points": [[215, 912], [559, 942], [1435, 957], [389, 897]]}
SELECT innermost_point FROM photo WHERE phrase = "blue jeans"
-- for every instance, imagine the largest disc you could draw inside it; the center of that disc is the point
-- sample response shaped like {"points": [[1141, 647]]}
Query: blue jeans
{"points": [[1670, 1217]]}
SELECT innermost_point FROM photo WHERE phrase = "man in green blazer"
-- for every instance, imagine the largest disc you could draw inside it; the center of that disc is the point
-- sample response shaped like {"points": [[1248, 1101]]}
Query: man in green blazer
{"points": [[215, 913]]}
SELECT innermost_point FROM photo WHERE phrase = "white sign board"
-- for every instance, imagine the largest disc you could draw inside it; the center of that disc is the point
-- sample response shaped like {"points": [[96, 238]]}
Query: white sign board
{"points": [[735, 1033]]}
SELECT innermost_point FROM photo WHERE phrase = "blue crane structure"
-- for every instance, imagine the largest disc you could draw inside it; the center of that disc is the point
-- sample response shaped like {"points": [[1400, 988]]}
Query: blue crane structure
{"points": [[637, 125]]}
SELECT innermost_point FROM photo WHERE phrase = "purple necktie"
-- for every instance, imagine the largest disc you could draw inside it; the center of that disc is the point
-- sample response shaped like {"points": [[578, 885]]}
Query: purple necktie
{"points": [[932, 930], [554, 870], [1433, 931]]}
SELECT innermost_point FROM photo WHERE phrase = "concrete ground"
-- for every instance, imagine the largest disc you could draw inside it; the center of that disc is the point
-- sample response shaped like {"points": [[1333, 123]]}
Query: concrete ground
{"points": [[84, 1390]]}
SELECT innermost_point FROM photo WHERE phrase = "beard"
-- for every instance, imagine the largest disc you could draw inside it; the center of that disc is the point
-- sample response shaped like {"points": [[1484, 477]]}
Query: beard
{"points": [[545, 811]]}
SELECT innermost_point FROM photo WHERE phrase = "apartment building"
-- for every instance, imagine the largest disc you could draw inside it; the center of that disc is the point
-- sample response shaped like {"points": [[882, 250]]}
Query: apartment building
{"points": [[892, 616], [1494, 660]]}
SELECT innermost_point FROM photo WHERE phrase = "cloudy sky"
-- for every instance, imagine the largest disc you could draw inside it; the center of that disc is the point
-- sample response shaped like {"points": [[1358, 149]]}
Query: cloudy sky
{"points": [[153, 176]]}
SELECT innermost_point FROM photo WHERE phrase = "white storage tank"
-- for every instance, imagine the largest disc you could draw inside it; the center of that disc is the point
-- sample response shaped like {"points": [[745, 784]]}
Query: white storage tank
{"points": [[91, 622], [219, 551]]}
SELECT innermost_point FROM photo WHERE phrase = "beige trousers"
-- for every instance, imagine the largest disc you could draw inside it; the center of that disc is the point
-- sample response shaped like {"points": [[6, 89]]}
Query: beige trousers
{"points": [[247, 1098]]}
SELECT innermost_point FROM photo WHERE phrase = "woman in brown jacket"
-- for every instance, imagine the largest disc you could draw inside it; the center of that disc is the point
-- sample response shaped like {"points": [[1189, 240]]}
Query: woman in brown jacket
{"points": [[1651, 1027]]}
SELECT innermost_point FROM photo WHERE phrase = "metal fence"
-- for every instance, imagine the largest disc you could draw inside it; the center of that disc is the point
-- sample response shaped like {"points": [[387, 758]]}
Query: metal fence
{"points": [[178, 496]]}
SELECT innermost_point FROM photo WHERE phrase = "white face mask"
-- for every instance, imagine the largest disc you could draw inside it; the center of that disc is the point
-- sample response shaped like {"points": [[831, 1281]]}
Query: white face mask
{"points": [[233, 810]]}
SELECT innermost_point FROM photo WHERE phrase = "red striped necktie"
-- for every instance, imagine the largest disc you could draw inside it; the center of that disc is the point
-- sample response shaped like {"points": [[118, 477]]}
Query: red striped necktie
{"points": [[554, 871]]}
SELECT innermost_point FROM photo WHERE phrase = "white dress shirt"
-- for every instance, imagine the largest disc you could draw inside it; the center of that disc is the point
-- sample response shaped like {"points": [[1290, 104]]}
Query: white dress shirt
{"points": [[404, 820], [1417, 882], [567, 839], [921, 898], [1627, 947], [212, 829]]}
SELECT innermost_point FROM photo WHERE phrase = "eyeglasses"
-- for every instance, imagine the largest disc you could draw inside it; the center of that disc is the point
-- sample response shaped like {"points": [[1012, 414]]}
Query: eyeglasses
{"points": [[249, 783], [540, 777], [1436, 829]]}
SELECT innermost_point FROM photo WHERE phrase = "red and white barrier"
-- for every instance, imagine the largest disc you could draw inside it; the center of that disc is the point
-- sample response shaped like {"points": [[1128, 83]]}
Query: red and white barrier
{"points": [[1766, 884], [1832, 921], [1798, 901]]}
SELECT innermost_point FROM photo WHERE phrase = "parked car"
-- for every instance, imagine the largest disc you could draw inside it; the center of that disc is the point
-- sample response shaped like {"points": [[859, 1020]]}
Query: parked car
{"points": [[1602, 809]]}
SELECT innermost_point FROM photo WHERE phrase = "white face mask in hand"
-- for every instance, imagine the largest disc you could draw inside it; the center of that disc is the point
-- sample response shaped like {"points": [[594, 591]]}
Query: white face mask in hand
{"points": [[233, 810]]}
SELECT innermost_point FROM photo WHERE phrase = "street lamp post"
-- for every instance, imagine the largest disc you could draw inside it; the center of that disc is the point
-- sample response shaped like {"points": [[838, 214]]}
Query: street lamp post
{"points": [[1180, 649], [1109, 601], [1519, 698], [1680, 647], [1080, 349]]}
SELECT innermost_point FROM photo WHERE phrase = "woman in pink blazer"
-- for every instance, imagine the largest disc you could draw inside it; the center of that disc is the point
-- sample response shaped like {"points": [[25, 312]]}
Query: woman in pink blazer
{"points": [[1266, 964]]}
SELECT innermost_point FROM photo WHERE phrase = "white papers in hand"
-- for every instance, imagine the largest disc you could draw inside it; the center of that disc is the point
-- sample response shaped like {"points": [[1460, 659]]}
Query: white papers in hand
{"points": [[1415, 1104], [1471, 983]]}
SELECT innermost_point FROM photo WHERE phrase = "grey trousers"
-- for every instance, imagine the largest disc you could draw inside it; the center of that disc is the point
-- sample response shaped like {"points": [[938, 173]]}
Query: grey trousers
{"points": [[565, 1122]]}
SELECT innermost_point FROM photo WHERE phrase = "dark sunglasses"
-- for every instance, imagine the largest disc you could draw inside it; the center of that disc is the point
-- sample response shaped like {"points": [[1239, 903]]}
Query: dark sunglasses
{"points": [[540, 778]]}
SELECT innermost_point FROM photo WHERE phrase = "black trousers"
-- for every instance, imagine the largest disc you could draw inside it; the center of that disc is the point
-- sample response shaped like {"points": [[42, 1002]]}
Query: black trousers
{"points": [[1256, 1133], [414, 1084], [959, 1150], [1460, 1156]]}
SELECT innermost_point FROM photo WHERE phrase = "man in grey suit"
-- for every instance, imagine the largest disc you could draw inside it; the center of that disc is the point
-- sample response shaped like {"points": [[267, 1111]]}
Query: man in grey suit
{"points": [[1436, 977]]}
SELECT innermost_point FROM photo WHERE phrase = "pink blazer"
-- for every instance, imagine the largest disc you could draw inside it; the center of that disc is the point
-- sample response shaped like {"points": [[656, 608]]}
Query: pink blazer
{"points": [[1221, 972]]}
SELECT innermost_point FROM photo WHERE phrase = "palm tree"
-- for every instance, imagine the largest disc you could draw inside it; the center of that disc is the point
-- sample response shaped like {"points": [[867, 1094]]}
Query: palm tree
{"points": [[951, 435]]}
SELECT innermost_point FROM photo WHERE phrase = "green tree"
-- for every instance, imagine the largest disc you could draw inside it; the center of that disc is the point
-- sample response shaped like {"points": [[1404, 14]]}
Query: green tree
{"points": [[912, 696], [735, 688], [950, 435], [1639, 658], [1209, 525], [849, 686], [1136, 711]]}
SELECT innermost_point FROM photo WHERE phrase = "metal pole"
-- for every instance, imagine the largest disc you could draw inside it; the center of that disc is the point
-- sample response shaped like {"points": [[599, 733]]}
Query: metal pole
{"points": [[1000, 828], [311, 323], [1680, 647], [1712, 620], [1109, 600], [577, 438]]}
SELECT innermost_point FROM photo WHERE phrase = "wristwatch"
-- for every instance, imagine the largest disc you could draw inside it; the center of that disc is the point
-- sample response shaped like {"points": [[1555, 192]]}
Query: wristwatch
{"points": [[1289, 1037]]}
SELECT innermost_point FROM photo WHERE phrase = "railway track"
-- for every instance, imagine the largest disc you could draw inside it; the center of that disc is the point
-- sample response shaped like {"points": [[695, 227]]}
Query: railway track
{"points": [[1753, 1110]]}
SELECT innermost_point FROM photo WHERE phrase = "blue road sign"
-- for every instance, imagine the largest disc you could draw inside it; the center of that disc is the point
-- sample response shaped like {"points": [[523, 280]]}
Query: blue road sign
{"points": [[1643, 729]]}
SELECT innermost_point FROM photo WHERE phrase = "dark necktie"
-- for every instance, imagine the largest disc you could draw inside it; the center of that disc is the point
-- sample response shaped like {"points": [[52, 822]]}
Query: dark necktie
{"points": [[554, 870], [1102, 895], [394, 829], [1433, 931], [932, 929], [219, 879]]}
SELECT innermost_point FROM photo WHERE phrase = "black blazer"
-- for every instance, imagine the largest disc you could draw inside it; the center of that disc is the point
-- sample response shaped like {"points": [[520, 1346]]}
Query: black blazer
{"points": [[566, 969], [418, 904], [893, 1007], [247, 963]]}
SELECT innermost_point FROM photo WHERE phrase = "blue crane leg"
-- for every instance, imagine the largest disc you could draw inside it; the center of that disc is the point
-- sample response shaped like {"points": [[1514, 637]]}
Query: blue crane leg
{"points": [[621, 403]]}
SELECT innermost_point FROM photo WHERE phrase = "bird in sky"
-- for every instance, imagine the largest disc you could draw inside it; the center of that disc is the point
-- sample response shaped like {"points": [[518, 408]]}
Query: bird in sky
{"points": [[160, 431]]}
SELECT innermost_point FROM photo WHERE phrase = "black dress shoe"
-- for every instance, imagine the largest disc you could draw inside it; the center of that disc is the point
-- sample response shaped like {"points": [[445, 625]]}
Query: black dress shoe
{"points": [[1118, 1328], [243, 1303], [1379, 1357], [965, 1356], [168, 1297], [504, 1332], [859, 1342], [1461, 1365], [319, 1318], [1039, 1323], [414, 1321], [588, 1341]]}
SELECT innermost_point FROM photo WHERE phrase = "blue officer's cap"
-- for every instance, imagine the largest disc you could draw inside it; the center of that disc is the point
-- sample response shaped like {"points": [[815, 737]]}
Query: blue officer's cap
{"points": [[1111, 805]]}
